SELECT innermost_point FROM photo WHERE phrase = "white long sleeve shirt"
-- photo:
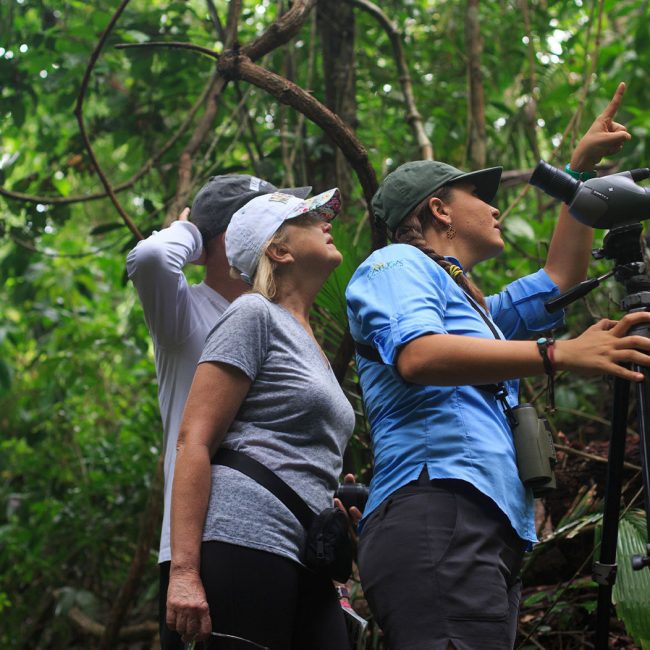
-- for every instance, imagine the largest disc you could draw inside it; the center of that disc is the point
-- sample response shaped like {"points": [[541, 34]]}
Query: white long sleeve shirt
{"points": [[179, 318]]}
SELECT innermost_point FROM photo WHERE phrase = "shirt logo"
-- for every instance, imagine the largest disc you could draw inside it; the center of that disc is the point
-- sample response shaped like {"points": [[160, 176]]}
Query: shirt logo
{"points": [[380, 267]]}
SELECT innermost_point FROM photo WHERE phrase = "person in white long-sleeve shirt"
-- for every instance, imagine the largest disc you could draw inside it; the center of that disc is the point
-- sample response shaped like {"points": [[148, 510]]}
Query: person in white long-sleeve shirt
{"points": [[180, 316]]}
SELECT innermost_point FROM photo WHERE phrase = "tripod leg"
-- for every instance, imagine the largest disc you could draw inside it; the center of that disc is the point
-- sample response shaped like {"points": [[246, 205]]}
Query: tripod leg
{"points": [[639, 562], [605, 567]]}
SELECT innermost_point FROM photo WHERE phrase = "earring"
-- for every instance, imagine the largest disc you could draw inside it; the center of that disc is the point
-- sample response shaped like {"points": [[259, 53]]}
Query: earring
{"points": [[451, 232]]}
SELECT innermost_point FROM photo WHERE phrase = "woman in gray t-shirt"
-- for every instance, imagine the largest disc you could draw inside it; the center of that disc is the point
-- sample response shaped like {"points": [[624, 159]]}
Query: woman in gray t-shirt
{"points": [[264, 387]]}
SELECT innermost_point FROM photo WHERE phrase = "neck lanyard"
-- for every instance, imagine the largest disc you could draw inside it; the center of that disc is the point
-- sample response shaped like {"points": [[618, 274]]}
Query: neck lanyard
{"points": [[499, 390]]}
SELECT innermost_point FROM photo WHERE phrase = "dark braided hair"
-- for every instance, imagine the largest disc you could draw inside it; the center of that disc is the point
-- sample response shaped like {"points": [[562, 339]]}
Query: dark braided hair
{"points": [[411, 231]]}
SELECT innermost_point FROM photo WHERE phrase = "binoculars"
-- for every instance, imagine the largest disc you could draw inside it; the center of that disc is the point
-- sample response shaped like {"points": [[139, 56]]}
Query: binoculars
{"points": [[352, 494], [535, 451]]}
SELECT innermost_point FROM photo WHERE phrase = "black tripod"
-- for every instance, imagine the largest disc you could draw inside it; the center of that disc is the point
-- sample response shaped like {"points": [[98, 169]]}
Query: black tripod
{"points": [[623, 245]]}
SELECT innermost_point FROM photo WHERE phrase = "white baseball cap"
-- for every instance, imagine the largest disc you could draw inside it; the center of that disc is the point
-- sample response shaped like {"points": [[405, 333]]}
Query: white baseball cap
{"points": [[253, 225]]}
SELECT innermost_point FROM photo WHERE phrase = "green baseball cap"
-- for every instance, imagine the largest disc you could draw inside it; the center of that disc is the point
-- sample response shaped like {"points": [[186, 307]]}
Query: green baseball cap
{"points": [[402, 190]]}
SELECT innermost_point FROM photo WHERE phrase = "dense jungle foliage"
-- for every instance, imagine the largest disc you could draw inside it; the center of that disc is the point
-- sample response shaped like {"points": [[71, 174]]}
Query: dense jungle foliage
{"points": [[495, 83]]}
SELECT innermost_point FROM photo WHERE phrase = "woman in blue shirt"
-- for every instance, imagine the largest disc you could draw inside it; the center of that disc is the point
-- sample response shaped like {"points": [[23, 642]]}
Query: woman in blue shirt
{"points": [[448, 519]]}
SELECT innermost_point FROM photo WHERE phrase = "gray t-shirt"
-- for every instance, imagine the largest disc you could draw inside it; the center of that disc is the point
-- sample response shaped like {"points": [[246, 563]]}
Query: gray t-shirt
{"points": [[295, 420]]}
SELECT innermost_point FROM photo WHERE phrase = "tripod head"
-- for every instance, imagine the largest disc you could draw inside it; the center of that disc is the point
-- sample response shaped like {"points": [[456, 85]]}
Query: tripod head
{"points": [[598, 202]]}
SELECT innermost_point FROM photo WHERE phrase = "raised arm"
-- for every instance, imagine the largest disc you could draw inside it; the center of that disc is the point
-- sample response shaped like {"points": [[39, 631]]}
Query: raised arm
{"points": [[570, 249], [217, 393], [155, 266]]}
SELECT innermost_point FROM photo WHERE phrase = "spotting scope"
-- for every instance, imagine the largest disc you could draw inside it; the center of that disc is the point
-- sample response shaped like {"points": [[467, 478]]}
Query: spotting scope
{"points": [[605, 202]]}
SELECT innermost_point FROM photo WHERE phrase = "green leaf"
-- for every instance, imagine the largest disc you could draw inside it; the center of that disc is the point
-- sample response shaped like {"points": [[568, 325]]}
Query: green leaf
{"points": [[631, 593], [520, 228]]}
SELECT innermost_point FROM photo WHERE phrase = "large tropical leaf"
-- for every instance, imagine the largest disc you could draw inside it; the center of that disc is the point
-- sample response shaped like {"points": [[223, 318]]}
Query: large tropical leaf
{"points": [[632, 589]]}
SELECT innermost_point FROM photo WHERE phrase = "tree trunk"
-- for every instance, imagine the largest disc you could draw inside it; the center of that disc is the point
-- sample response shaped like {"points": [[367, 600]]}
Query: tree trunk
{"points": [[336, 27], [476, 141]]}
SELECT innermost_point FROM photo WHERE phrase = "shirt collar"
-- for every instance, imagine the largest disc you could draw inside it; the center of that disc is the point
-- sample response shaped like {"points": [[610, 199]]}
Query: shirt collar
{"points": [[455, 261]]}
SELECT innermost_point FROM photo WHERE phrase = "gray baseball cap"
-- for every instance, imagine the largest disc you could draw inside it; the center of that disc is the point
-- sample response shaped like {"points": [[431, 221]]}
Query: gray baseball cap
{"points": [[216, 202], [402, 190]]}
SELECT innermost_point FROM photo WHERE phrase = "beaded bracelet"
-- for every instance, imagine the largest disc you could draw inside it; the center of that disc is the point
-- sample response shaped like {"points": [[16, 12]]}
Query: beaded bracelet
{"points": [[547, 351]]}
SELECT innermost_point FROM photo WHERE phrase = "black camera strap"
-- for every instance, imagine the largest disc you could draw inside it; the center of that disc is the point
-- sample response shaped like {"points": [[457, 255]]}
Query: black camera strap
{"points": [[499, 390], [368, 352], [267, 479]]}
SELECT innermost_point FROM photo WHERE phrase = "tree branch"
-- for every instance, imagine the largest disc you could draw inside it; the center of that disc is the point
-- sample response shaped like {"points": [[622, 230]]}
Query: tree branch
{"points": [[145, 169], [255, 152], [287, 146], [234, 66], [173, 44], [281, 31], [78, 111], [508, 178], [186, 160], [413, 116], [311, 57], [207, 156], [598, 459], [128, 633], [216, 21]]}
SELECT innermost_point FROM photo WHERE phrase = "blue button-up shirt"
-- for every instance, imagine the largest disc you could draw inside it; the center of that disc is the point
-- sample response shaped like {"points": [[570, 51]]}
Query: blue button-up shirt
{"points": [[399, 294]]}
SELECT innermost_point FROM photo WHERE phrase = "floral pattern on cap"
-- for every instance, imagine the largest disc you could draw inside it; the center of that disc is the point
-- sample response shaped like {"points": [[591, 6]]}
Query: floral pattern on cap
{"points": [[327, 204]]}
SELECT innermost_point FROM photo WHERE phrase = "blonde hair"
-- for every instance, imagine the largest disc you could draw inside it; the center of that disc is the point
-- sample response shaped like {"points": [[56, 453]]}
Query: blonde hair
{"points": [[264, 280]]}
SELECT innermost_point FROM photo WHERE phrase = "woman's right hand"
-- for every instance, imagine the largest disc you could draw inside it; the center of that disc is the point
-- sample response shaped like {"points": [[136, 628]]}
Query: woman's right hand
{"points": [[187, 607], [604, 347]]}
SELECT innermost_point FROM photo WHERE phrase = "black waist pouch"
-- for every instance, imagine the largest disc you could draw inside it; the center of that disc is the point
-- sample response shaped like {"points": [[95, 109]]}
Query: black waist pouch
{"points": [[329, 545]]}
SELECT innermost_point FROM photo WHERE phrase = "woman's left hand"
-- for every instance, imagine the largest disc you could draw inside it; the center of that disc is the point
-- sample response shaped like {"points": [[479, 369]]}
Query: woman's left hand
{"points": [[187, 607], [604, 137]]}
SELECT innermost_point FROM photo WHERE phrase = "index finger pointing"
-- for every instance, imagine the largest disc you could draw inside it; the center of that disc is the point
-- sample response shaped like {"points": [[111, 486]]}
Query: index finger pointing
{"points": [[612, 107]]}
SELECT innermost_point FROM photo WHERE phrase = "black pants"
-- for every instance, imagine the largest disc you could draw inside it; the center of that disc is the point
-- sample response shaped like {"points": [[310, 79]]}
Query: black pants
{"points": [[265, 598], [439, 563]]}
